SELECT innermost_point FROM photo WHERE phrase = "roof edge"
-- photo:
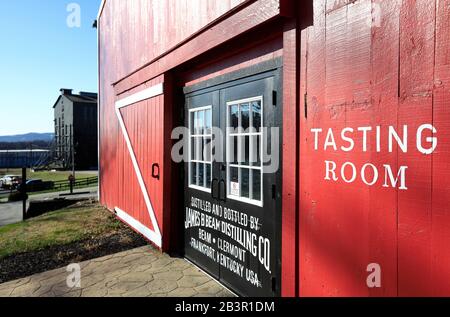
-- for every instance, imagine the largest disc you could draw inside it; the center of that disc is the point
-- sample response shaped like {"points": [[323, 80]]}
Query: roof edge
{"points": [[100, 10], [57, 100]]}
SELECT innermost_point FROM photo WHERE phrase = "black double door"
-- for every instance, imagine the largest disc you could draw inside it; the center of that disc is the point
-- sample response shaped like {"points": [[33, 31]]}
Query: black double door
{"points": [[233, 184]]}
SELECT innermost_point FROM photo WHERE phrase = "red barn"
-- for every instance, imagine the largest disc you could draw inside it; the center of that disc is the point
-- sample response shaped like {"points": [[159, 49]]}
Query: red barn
{"points": [[286, 148]]}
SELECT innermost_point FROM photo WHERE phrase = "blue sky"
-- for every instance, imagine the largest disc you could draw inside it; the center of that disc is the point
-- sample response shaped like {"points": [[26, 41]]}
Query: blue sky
{"points": [[39, 54]]}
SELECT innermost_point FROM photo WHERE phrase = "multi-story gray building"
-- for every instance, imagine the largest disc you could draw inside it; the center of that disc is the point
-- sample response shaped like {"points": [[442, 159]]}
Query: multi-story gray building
{"points": [[76, 130]]}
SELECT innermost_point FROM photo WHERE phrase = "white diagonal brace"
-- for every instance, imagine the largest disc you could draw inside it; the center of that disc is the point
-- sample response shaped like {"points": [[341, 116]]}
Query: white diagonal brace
{"points": [[155, 235]]}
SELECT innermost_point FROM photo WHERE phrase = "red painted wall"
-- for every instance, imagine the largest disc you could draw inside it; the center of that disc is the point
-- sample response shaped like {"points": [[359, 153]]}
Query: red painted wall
{"points": [[145, 126], [368, 64], [138, 31], [132, 34]]}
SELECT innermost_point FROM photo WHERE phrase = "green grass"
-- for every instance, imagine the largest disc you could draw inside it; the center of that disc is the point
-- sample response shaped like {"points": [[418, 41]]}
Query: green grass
{"points": [[67, 190], [57, 228], [48, 176]]}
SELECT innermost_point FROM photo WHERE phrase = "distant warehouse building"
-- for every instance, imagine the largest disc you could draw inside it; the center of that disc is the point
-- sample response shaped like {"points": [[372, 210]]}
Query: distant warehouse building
{"points": [[76, 130], [21, 158]]}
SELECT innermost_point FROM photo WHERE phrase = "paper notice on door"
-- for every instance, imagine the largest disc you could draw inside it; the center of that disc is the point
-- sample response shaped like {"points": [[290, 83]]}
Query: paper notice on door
{"points": [[234, 190]]}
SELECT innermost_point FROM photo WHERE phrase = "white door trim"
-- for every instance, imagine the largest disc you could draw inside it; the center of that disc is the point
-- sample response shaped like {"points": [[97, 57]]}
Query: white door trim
{"points": [[140, 96], [155, 234], [142, 229]]}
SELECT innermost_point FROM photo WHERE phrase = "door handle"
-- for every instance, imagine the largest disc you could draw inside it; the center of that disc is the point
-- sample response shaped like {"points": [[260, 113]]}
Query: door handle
{"points": [[155, 171], [214, 182], [222, 189]]}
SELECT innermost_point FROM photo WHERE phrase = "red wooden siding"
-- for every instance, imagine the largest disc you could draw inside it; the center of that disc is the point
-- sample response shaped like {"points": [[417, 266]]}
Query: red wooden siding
{"points": [[358, 73], [289, 251], [131, 34], [252, 14], [144, 122], [156, 25], [267, 48], [440, 235], [417, 44]]}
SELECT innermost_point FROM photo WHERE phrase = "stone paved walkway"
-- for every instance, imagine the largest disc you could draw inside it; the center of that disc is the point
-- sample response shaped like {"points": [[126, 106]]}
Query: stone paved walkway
{"points": [[141, 272]]}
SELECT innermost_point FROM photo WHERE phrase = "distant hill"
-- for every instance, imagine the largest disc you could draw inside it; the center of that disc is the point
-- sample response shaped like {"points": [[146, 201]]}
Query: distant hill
{"points": [[29, 137]]}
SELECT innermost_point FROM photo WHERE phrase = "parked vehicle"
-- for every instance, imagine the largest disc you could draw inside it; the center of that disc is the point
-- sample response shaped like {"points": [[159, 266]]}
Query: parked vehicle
{"points": [[8, 181], [16, 181], [35, 185], [4, 180]]}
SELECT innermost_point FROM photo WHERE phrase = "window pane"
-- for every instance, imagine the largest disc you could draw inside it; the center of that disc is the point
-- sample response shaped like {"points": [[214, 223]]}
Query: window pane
{"points": [[233, 186], [202, 149], [208, 121], [244, 150], [234, 174], [255, 150], [259, 147], [193, 180], [201, 122], [208, 176], [245, 183], [193, 148], [246, 147], [256, 185], [241, 149], [232, 150], [256, 116], [201, 174], [245, 117], [207, 149], [234, 117], [198, 148], [193, 122]]}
